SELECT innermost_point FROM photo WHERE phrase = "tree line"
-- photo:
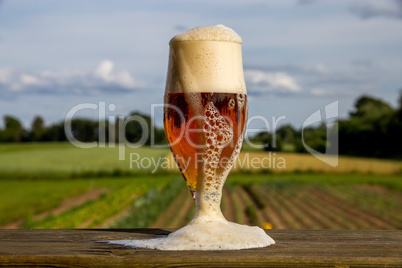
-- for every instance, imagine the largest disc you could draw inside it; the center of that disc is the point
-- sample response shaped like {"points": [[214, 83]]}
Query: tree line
{"points": [[373, 129], [83, 130]]}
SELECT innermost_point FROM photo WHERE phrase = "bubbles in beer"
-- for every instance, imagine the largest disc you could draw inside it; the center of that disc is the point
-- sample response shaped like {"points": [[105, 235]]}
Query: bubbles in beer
{"points": [[234, 155], [240, 100], [218, 134], [195, 101], [231, 104]]}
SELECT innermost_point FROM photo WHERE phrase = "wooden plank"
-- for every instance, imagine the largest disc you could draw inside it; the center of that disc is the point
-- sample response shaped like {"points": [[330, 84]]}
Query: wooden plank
{"points": [[304, 248]]}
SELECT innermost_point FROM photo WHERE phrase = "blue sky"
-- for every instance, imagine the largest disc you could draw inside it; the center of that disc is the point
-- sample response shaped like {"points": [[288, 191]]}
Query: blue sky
{"points": [[298, 55]]}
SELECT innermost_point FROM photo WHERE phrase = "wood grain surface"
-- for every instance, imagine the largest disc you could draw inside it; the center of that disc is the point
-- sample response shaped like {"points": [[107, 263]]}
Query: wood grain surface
{"points": [[294, 248]]}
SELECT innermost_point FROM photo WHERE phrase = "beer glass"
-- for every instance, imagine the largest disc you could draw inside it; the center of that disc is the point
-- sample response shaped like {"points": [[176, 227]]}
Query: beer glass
{"points": [[205, 116]]}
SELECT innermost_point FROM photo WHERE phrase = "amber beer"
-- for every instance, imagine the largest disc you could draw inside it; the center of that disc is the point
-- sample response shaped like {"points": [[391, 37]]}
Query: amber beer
{"points": [[205, 131]]}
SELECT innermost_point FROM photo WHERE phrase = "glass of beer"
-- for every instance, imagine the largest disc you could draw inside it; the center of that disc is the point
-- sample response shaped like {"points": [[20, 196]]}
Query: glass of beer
{"points": [[205, 111], [205, 116], [205, 120]]}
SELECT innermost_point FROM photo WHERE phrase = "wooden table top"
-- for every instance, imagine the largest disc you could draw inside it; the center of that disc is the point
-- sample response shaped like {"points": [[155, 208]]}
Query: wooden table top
{"points": [[301, 248]]}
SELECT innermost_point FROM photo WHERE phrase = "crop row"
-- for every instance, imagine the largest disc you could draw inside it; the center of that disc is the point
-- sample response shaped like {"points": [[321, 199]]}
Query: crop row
{"points": [[288, 206]]}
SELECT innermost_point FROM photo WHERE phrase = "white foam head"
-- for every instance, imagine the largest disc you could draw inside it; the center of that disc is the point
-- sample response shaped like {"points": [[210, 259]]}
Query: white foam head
{"points": [[208, 33], [206, 59]]}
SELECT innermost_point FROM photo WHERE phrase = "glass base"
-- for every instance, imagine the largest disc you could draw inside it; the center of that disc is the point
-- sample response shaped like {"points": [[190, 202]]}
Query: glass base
{"points": [[205, 233]]}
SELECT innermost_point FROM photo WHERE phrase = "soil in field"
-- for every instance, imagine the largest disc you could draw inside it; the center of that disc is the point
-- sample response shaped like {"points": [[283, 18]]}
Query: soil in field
{"points": [[287, 206]]}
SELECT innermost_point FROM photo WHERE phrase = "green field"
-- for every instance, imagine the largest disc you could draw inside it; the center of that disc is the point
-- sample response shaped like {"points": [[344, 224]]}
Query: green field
{"points": [[23, 199], [64, 159], [56, 185]]}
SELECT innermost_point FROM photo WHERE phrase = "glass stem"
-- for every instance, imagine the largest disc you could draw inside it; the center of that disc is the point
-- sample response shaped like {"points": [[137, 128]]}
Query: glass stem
{"points": [[208, 204]]}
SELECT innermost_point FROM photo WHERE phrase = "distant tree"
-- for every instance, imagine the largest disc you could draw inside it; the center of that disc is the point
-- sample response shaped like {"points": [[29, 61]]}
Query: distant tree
{"points": [[37, 128], [394, 130], [366, 132], [287, 133], [369, 107], [399, 110], [288, 136], [135, 127], [160, 136], [54, 132], [268, 140], [13, 130], [315, 138], [84, 130], [11, 122]]}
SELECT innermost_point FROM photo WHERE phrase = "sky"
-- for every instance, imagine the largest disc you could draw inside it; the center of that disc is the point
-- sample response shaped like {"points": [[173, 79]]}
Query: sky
{"points": [[298, 55]]}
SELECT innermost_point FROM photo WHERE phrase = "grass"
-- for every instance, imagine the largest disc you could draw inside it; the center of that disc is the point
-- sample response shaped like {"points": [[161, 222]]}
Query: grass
{"points": [[254, 147], [94, 213], [147, 209], [259, 147], [63, 160], [393, 182], [15, 147], [23, 199]]}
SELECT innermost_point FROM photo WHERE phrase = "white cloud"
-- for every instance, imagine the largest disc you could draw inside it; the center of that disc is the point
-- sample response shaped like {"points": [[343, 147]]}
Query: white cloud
{"points": [[29, 80], [122, 78], [270, 82], [103, 79], [315, 80], [4, 75], [104, 70]]}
